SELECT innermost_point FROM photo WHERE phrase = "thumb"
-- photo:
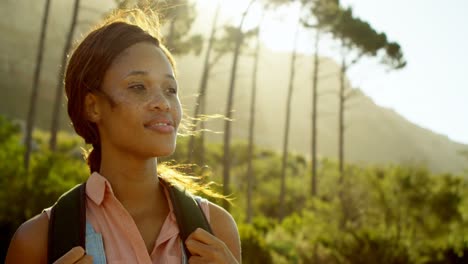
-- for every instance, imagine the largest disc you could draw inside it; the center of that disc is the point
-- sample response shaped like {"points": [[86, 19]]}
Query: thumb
{"points": [[71, 256]]}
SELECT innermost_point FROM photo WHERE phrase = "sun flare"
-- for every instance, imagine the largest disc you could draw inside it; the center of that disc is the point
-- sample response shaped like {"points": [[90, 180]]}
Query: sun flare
{"points": [[277, 28]]}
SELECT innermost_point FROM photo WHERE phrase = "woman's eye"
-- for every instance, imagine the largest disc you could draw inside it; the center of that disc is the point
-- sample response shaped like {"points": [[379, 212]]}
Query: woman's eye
{"points": [[171, 90], [139, 87]]}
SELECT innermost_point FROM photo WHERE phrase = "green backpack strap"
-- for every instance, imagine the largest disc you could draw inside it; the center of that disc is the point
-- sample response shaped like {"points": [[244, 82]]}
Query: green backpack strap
{"points": [[67, 223], [188, 213]]}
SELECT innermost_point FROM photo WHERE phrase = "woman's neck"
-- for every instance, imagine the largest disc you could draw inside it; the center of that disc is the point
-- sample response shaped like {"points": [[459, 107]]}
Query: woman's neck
{"points": [[134, 182]]}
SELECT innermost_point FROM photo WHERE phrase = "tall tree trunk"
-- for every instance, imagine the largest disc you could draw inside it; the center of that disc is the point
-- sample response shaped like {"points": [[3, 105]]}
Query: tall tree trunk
{"points": [[314, 115], [341, 184], [202, 90], [34, 93], [250, 153], [341, 127], [230, 102], [314, 128], [58, 90], [201, 142], [281, 207]]}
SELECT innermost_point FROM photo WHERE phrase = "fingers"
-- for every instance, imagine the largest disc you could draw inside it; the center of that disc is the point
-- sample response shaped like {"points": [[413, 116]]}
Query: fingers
{"points": [[206, 248], [198, 248], [202, 243], [87, 259], [203, 236], [75, 255]]}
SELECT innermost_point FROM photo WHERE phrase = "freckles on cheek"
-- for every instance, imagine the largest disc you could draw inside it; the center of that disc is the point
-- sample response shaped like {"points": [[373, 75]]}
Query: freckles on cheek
{"points": [[123, 101], [120, 98]]}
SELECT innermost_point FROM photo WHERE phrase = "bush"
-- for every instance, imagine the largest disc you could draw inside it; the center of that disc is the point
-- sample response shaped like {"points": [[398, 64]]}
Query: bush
{"points": [[385, 214], [25, 194], [254, 248]]}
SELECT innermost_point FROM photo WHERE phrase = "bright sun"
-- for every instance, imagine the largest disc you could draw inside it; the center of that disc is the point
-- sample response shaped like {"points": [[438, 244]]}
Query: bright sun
{"points": [[278, 25]]}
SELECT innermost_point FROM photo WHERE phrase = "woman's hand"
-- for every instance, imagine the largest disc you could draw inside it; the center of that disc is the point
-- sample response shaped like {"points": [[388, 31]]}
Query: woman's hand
{"points": [[75, 255], [29, 245], [206, 248]]}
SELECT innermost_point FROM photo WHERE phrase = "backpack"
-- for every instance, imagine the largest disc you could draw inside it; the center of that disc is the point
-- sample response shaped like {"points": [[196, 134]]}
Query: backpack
{"points": [[68, 219]]}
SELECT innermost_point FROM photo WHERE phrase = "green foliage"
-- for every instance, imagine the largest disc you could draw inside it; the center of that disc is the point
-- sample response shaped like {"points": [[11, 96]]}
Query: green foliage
{"points": [[254, 248], [181, 15], [25, 194], [226, 43], [447, 253], [356, 34], [391, 214], [368, 246]]}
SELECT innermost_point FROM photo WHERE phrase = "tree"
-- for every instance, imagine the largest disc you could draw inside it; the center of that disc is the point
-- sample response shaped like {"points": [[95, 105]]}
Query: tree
{"points": [[322, 8], [357, 35], [357, 39], [34, 93], [200, 104], [58, 90], [314, 115], [284, 161], [230, 102], [180, 15], [250, 148], [220, 46]]}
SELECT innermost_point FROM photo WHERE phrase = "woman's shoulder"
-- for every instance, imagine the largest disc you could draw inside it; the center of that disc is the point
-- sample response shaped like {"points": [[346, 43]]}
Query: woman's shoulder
{"points": [[225, 228], [219, 216], [29, 243]]}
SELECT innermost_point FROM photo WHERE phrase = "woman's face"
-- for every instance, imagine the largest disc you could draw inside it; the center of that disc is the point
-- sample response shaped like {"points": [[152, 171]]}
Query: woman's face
{"points": [[139, 109]]}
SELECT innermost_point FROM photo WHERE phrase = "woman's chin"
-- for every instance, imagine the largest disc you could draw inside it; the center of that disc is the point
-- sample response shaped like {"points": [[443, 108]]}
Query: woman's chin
{"points": [[162, 155], [164, 152]]}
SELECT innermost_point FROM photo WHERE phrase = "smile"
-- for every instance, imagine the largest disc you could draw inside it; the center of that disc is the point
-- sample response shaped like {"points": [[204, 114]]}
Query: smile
{"points": [[163, 128]]}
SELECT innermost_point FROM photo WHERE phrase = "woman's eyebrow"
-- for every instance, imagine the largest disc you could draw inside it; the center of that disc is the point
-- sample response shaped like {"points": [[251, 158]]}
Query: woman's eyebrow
{"points": [[145, 73], [136, 73]]}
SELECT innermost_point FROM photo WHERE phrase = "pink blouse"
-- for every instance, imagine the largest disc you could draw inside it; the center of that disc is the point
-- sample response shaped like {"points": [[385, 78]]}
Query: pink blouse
{"points": [[121, 237]]}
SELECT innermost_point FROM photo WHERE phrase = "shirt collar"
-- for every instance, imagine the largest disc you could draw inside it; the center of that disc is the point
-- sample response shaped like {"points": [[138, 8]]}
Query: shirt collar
{"points": [[96, 187]]}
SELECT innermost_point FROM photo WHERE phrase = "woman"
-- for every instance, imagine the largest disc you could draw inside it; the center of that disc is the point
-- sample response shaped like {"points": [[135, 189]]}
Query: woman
{"points": [[123, 99]]}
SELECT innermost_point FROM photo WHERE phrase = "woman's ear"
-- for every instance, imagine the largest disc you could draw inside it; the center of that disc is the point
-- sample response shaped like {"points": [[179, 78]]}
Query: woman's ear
{"points": [[92, 108]]}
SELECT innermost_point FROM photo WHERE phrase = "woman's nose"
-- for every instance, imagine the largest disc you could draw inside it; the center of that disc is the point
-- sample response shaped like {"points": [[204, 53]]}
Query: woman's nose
{"points": [[160, 102]]}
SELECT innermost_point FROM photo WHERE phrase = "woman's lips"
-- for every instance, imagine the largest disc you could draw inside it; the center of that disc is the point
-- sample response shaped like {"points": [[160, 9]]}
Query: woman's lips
{"points": [[164, 127]]}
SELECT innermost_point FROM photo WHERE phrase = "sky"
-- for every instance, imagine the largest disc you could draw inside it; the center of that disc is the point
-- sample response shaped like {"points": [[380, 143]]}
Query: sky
{"points": [[432, 90]]}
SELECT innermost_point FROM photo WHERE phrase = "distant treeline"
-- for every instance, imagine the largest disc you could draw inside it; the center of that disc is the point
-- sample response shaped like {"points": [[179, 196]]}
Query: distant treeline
{"points": [[390, 214]]}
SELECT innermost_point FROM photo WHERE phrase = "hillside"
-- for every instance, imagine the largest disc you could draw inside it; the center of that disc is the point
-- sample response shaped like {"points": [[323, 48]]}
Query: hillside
{"points": [[374, 134]]}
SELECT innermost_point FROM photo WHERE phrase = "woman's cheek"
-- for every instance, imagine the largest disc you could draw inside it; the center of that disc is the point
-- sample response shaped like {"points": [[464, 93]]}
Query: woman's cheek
{"points": [[178, 113]]}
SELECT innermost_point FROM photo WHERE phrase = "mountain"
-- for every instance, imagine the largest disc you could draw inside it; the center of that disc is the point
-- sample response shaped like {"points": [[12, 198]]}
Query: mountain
{"points": [[374, 135]]}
